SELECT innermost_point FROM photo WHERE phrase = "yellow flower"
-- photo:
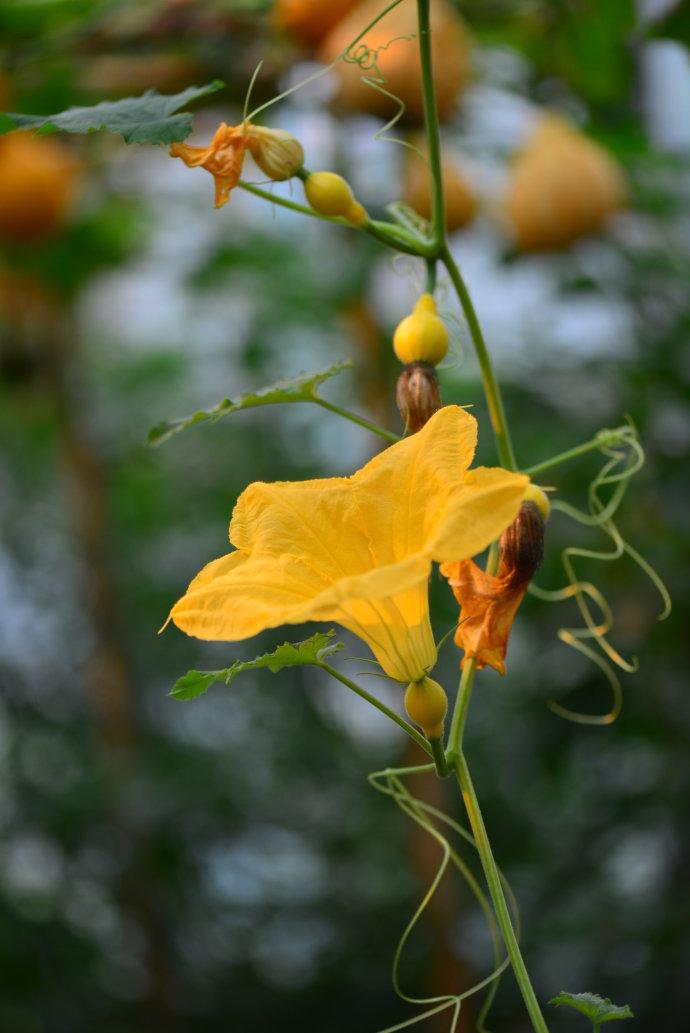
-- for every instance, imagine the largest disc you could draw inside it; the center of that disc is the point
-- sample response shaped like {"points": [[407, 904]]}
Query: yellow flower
{"points": [[357, 550]]}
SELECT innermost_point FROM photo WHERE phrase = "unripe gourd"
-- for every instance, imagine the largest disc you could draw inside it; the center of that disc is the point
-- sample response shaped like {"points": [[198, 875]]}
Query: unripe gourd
{"points": [[330, 194], [421, 336], [426, 704]]}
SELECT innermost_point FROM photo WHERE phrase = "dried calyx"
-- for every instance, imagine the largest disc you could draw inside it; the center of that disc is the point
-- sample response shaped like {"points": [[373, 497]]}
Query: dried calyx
{"points": [[418, 395]]}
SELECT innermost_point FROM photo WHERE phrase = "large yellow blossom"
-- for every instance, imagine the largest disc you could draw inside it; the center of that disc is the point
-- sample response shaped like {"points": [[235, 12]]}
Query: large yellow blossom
{"points": [[357, 550]]}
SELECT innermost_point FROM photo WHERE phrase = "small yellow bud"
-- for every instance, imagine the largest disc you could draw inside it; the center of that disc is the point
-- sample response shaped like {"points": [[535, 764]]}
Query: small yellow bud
{"points": [[277, 153], [540, 499], [330, 194], [421, 336], [426, 704]]}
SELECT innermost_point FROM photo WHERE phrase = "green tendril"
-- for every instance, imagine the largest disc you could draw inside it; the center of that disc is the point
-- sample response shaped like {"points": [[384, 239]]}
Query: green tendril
{"points": [[389, 782], [327, 68], [624, 461]]}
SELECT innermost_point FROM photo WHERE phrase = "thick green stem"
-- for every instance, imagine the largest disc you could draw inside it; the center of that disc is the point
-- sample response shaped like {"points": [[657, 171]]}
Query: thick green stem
{"points": [[433, 134], [493, 881], [491, 388]]}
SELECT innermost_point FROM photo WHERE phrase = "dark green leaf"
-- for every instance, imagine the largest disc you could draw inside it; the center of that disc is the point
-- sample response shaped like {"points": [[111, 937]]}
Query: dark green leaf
{"points": [[291, 654], [297, 389], [195, 683], [597, 1009], [149, 118]]}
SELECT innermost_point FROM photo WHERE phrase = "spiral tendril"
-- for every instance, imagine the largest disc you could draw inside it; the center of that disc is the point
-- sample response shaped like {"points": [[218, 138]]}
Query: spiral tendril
{"points": [[592, 640], [389, 782]]}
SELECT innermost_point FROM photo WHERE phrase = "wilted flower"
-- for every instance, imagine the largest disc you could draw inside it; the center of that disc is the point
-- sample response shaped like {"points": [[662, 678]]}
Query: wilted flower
{"points": [[277, 153], [357, 550], [489, 602]]}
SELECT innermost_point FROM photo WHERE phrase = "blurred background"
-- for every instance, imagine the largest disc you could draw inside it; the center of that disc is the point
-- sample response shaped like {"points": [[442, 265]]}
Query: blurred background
{"points": [[222, 864]]}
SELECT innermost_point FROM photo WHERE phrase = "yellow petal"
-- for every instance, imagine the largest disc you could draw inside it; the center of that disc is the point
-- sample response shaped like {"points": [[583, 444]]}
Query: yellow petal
{"points": [[402, 492], [476, 512], [238, 595]]}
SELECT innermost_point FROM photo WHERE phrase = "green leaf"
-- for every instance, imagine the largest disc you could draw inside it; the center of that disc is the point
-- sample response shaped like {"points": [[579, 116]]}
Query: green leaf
{"points": [[291, 654], [149, 118], [597, 1009], [297, 389]]}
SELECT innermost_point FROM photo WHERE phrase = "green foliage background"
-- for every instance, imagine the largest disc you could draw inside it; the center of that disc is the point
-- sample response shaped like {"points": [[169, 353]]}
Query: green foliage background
{"points": [[221, 864]]}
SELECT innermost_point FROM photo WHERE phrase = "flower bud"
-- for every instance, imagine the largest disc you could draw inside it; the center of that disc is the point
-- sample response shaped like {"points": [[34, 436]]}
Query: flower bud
{"points": [[277, 153], [421, 336], [417, 395], [426, 704], [330, 194]]}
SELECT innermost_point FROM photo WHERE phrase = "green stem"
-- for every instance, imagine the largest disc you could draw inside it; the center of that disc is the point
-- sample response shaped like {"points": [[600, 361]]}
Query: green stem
{"points": [[430, 275], [400, 721], [604, 439], [388, 233], [433, 133], [439, 755], [491, 388], [462, 702], [359, 420], [493, 881]]}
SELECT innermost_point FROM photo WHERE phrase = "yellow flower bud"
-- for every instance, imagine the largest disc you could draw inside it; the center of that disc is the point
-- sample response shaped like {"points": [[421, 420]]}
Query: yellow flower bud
{"points": [[330, 194], [277, 153], [540, 499], [422, 336], [426, 704]]}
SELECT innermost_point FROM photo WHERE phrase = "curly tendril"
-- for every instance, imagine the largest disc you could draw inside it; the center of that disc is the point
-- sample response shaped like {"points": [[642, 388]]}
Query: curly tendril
{"points": [[592, 640], [389, 782], [353, 54]]}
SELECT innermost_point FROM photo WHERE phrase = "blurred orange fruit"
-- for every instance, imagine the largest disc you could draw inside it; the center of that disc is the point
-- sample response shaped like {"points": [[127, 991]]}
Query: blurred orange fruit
{"points": [[393, 50], [310, 20], [134, 73], [38, 177], [562, 186], [460, 200]]}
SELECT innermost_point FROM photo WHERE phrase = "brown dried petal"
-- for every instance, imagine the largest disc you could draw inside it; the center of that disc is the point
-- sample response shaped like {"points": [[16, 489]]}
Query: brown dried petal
{"points": [[418, 395], [488, 602]]}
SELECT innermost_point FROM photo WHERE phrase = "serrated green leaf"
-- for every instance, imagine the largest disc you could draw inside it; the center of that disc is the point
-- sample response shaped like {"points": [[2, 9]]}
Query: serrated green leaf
{"points": [[195, 683], [597, 1009], [291, 654], [150, 118], [297, 389]]}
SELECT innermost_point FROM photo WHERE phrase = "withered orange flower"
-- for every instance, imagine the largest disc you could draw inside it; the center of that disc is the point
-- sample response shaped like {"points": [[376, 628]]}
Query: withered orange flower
{"points": [[489, 602], [223, 158]]}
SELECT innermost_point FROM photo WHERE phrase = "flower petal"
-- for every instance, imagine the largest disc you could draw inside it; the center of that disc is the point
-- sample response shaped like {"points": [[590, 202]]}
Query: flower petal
{"points": [[239, 595], [488, 607], [402, 492], [476, 512]]}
